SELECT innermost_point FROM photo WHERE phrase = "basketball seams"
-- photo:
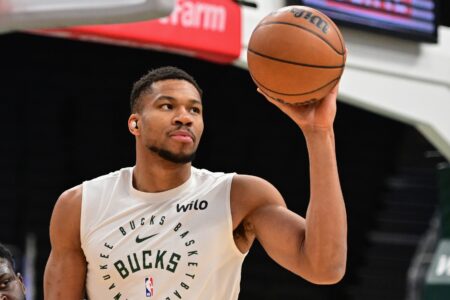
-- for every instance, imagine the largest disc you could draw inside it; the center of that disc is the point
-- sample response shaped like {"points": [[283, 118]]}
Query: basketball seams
{"points": [[338, 33], [341, 38], [306, 29], [292, 62], [302, 56], [296, 94]]}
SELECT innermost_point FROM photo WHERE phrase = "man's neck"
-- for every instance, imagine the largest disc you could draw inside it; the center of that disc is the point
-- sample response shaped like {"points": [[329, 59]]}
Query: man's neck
{"points": [[159, 175]]}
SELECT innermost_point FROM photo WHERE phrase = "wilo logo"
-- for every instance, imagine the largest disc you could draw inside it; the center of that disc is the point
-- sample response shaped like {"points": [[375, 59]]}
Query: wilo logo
{"points": [[199, 15], [193, 205]]}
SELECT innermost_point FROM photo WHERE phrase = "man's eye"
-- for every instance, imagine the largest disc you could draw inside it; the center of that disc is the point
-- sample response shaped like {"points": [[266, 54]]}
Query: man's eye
{"points": [[4, 284], [195, 110], [166, 106]]}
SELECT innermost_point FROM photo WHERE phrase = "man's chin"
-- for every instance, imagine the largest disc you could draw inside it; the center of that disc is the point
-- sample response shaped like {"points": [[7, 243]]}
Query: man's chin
{"points": [[172, 157]]}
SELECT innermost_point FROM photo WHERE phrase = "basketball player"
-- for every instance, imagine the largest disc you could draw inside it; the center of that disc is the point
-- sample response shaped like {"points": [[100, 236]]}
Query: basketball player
{"points": [[164, 229], [11, 283]]}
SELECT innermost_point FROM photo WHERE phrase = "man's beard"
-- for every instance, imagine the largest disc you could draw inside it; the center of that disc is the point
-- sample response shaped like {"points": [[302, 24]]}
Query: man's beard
{"points": [[172, 157]]}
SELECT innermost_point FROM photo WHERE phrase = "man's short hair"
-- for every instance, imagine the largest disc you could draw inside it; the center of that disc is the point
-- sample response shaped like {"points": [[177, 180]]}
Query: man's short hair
{"points": [[144, 85], [6, 254]]}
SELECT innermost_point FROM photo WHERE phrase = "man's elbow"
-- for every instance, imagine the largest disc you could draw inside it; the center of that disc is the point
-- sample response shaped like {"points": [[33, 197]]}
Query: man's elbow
{"points": [[334, 276], [328, 276]]}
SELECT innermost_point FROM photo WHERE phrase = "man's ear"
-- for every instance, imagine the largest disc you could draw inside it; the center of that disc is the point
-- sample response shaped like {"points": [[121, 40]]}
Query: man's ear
{"points": [[133, 124], [22, 284]]}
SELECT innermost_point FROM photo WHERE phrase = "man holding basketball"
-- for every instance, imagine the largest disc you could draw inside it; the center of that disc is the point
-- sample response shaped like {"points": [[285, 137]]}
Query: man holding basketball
{"points": [[164, 229]]}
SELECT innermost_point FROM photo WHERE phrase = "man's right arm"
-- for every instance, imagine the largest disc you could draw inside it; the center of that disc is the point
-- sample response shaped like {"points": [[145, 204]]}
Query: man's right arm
{"points": [[65, 272]]}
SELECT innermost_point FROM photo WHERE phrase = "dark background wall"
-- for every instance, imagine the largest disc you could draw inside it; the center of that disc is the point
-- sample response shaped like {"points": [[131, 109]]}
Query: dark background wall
{"points": [[64, 110]]}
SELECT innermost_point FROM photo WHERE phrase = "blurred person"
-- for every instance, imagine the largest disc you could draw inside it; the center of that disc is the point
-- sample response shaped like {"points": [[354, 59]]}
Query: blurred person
{"points": [[11, 283], [164, 229]]}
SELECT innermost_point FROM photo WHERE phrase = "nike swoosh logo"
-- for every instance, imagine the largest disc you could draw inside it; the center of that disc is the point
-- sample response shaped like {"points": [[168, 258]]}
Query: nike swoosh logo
{"points": [[140, 240]]}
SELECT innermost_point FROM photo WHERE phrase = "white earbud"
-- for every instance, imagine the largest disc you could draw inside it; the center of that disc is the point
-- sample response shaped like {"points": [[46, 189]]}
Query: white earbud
{"points": [[134, 123]]}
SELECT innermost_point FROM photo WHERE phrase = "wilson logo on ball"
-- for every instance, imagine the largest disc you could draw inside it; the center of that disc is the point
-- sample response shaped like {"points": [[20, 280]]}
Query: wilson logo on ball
{"points": [[314, 19]]}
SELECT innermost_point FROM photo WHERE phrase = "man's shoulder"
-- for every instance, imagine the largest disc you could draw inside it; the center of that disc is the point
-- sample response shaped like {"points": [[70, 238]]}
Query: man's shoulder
{"points": [[200, 172], [245, 180], [74, 195], [69, 202], [239, 181], [124, 172], [246, 187]]}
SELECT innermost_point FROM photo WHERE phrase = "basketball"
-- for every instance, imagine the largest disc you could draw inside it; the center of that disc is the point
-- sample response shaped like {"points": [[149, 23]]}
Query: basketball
{"points": [[296, 55]]}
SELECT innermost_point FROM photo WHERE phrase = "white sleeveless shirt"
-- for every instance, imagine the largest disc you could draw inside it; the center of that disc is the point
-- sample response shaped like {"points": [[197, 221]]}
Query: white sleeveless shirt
{"points": [[176, 244]]}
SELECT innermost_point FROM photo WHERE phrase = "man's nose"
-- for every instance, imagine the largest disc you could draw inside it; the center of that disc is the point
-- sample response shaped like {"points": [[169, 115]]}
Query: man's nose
{"points": [[183, 117]]}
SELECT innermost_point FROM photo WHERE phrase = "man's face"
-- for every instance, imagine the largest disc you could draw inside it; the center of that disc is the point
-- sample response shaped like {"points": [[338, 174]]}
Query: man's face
{"points": [[171, 121], [11, 285]]}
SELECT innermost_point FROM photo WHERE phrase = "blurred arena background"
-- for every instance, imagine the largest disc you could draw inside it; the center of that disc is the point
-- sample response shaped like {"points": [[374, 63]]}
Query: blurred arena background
{"points": [[65, 93]]}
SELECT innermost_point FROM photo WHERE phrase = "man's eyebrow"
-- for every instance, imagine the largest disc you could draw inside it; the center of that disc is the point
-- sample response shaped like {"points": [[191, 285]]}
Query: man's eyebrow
{"points": [[196, 101], [165, 97], [171, 99]]}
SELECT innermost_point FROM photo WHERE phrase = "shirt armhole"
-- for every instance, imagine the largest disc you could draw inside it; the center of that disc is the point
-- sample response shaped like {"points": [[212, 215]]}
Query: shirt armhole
{"points": [[235, 249]]}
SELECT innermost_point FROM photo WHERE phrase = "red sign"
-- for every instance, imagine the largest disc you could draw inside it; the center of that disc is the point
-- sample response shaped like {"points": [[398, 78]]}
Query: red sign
{"points": [[208, 29]]}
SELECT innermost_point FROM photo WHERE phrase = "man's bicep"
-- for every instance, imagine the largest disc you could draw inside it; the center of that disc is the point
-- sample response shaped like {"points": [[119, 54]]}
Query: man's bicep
{"points": [[66, 267], [281, 232]]}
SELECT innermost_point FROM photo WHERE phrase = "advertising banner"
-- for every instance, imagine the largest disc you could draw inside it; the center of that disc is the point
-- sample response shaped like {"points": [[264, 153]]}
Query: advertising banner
{"points": [[207, 29]]}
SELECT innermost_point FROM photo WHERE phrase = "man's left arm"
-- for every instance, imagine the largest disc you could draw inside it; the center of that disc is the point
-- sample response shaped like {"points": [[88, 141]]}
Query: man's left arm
{"points": [[315, 247], [325, 243]]}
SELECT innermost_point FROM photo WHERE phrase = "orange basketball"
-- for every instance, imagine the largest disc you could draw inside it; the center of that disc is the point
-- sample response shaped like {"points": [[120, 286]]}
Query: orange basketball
{"points": [[296, 55]]}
